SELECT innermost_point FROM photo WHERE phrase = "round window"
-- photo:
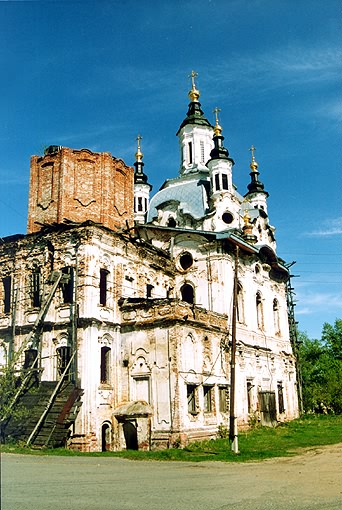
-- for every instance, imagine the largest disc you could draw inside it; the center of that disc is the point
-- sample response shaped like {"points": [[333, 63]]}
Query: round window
{"points": [[227, 217], [186, 260]]}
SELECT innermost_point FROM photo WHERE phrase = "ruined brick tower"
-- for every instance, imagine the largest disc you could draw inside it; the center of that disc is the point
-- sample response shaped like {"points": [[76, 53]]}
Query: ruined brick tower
{"points": [[79, 185]]}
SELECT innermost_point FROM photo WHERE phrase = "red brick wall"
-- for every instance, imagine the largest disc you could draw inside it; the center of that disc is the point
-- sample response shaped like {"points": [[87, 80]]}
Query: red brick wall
{"points": [[80, 185]]}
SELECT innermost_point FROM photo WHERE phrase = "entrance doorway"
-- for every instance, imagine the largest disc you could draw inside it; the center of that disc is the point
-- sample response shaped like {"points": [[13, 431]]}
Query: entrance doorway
{"points": [[131, 435], [268, 409]]}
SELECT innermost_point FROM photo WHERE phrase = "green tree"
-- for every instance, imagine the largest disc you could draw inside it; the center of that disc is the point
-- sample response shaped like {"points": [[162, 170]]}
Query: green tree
{"points": [[321, 368], [332, 337]]}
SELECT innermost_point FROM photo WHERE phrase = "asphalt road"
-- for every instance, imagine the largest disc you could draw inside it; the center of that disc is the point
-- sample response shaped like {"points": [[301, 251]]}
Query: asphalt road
{"points": [[310, 481]]}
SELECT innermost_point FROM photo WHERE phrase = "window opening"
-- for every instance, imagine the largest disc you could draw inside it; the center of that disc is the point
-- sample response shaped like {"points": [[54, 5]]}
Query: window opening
{"points": [[191, 396], [187, 293], [7, 284], [68, 286], [227, 217], [171, 222], [207, 395], [103, 286], [281, 406], [35, 281], [190, 152], [149, 290], [276, 316], [259, 310], [239, 308], [140, 204], [106, 432], [224, 181], [63, 358], [186, 260], [217, 182], [30, 358], [105, 365], [223, 399], [250, 387]]}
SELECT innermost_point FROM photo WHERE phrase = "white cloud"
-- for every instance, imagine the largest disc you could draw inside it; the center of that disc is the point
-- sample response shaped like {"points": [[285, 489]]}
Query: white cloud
{"points": [[331, 227], [286, 67]]}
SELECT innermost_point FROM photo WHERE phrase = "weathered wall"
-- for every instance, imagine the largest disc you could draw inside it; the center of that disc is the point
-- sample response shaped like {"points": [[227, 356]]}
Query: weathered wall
{"points": [[80, 185]]}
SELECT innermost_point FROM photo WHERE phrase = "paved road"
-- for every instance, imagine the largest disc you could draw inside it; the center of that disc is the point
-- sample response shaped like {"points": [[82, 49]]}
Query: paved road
{"points": [[311, 481]]}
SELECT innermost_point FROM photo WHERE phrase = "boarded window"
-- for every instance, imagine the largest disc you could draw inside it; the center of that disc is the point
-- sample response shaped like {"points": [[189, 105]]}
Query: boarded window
{"points": [[142, 389], [223, 399]]}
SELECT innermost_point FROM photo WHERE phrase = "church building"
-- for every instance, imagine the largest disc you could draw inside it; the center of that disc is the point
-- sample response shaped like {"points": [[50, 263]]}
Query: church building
{"points": [[146, 321]]}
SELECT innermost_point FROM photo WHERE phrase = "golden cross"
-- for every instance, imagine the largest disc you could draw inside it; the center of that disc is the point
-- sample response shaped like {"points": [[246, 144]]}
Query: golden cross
{"points": [[216, 111], [139, 138], [193, 75], [252, 149]]}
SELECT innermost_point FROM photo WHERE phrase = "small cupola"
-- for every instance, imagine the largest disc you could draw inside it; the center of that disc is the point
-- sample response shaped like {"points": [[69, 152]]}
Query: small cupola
{"points": [[220, 164], [141, 187], [256, 191], [195, 134]]}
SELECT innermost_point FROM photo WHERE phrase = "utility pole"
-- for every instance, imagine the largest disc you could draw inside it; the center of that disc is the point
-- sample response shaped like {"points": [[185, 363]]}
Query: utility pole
{"points": [[233, 430]]}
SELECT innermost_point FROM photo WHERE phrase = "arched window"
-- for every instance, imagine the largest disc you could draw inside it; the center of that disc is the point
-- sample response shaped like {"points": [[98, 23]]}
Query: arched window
{"points": [[105, 365], [276, 316], [187, 293], [63, 358], [259, 311], [171, 222], [106, 436]]}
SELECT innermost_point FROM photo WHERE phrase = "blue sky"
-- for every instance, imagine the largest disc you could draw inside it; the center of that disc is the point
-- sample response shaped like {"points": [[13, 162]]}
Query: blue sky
{"points": [[95, 74]]}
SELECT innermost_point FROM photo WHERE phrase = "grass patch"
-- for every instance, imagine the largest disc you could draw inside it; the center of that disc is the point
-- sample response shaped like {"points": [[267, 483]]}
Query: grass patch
{"points": [[256, 444]]}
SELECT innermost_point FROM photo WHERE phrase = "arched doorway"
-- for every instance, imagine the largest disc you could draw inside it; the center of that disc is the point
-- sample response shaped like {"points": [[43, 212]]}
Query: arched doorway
{"points": [[106, 437], [131, 435]]}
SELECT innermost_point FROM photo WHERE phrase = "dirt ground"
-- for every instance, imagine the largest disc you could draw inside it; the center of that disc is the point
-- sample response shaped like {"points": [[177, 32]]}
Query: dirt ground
{"points": [[309, 481]]}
